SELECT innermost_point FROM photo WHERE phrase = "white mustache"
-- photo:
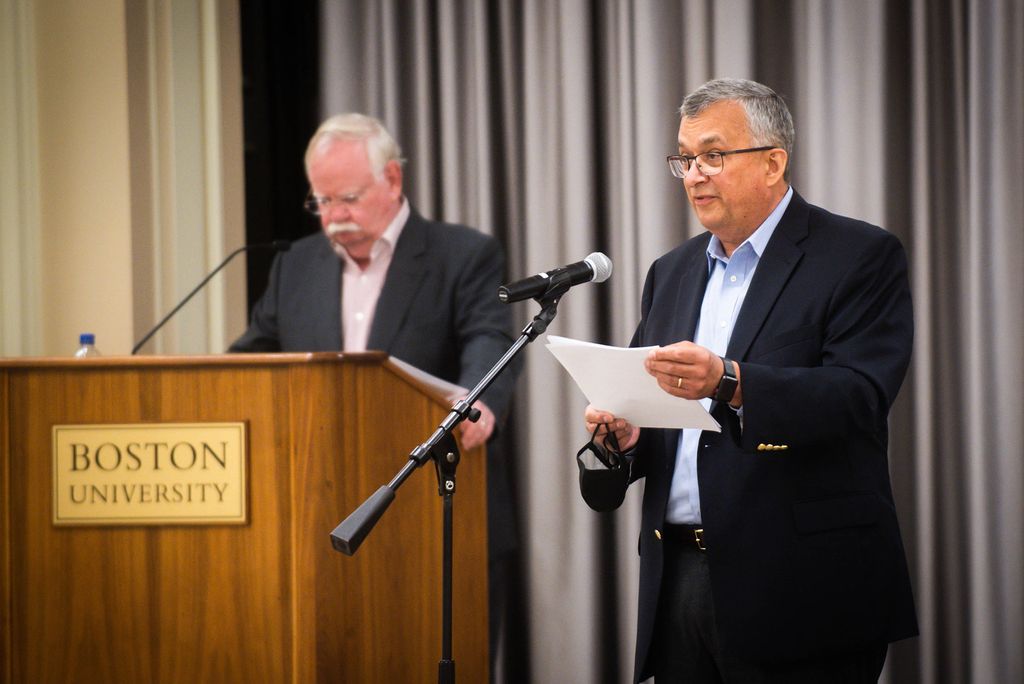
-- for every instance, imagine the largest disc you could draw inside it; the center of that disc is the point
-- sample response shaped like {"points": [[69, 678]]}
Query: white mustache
{"points": [[336, 228]]}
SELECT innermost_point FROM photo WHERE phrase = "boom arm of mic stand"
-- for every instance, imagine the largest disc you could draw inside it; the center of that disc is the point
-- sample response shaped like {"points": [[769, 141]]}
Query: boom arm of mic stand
{"points": [[351, 532], [183, 302]]}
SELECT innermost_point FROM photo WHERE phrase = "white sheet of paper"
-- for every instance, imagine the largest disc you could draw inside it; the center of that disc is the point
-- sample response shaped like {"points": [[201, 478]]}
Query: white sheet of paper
{"points": [[613, 379], [448, 389]]}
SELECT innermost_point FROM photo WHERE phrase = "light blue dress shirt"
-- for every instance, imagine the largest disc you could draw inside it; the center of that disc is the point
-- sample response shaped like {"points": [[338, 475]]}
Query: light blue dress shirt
{"points": [[727, 287]]}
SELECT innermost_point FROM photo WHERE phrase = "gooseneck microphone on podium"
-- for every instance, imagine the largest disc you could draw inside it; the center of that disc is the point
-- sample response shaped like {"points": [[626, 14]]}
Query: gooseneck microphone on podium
{"points": [[596, 268], [276, 245]]}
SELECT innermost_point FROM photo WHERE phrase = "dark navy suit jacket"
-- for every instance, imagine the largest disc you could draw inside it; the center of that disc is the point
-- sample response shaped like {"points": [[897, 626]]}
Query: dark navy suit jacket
{"points": [[803, 545]]}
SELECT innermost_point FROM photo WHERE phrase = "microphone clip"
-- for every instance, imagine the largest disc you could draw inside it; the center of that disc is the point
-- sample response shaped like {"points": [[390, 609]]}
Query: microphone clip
{"points": [[549, 307], [557, 287]]}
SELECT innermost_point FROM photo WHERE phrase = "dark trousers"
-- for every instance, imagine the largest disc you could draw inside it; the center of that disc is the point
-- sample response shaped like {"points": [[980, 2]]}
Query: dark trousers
{"points": [[686, 646]]}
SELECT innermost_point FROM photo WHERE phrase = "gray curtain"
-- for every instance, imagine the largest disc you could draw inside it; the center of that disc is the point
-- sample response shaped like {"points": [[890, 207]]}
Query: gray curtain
{"points": [[546, 123]]}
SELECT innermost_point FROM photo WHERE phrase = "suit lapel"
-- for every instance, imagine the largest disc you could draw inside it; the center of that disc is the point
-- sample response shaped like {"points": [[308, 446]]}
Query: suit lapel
{"points": [[327, 325], [689, 293], [408, 266], [693, 280], [780, 257]]}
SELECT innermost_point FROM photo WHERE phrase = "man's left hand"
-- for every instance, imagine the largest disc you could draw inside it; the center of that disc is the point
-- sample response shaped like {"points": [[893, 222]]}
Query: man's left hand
{"points": [[685, 370], [473, 435]]}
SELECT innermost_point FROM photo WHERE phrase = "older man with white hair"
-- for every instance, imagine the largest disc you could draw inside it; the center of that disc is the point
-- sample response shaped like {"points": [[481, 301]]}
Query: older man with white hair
{"points": [[379, 276]]}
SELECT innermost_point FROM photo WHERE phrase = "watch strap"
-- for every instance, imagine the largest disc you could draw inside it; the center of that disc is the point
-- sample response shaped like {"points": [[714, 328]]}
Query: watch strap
{"points": [[729, 382]]}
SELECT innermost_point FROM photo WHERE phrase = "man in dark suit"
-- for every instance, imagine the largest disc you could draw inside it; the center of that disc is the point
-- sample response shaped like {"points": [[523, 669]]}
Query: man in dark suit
{"points": [[770, 552], [380, 276]]}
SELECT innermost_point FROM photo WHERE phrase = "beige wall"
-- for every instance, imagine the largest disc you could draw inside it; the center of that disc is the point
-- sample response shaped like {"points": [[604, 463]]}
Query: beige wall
{"points": [[131, 188], [84, 174]]}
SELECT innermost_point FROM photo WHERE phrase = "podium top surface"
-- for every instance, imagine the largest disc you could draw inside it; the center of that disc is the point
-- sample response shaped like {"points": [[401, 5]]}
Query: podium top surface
{"points": [[370, 357], [439, 390]]}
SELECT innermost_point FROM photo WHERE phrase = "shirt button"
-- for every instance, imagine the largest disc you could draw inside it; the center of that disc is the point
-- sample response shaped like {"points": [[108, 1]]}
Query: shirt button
{"points": [[732, 279], [360, 316]]}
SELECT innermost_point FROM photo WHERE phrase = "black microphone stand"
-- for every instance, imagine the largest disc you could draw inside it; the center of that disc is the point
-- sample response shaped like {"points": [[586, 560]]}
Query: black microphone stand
{"points": [[441, 448]]}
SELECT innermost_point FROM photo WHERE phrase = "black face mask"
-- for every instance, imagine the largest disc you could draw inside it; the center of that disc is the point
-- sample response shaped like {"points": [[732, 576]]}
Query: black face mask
{"points": [[605, 488], [609, 454]]}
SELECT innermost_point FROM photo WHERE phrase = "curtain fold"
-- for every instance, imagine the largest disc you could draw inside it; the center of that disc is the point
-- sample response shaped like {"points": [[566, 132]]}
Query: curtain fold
{"points": [[994, 96], [547, 123]]}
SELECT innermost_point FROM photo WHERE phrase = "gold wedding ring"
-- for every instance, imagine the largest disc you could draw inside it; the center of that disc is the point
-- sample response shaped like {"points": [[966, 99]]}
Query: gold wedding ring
{"points": [[679, 383]]}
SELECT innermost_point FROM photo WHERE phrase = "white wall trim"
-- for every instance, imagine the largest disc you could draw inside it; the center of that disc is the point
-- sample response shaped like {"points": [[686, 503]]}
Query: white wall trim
{"points": [[188, 210], [20, 255]]}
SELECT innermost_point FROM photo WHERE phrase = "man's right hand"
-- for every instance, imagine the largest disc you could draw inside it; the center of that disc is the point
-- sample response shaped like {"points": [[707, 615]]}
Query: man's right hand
{"points": [[626, 433]]}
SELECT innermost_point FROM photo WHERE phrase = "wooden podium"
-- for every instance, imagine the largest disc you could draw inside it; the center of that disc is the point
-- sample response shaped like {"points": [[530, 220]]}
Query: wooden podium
{"points": [[264, 601]]}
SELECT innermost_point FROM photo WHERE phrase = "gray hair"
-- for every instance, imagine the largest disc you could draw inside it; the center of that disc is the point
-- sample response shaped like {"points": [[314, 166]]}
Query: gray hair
{"points": [[768, 117], [380, 146]]}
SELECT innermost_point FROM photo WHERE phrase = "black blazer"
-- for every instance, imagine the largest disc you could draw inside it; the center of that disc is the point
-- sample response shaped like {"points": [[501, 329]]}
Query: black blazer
{"points": [[438, 310], [803, 545]]}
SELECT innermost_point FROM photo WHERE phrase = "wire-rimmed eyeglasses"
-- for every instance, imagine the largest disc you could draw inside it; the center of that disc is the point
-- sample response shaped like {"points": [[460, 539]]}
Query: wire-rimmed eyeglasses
{"points": [[317, 205], [708, 163]]}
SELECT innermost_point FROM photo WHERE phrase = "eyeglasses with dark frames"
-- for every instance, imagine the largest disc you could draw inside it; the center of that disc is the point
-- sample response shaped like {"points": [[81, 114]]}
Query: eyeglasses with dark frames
{"points": [[708, 163], [611, 455]]}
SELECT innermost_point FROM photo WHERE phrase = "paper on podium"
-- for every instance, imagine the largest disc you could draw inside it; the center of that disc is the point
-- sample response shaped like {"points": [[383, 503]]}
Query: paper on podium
{"points": [[614, 379], [449, 389]]}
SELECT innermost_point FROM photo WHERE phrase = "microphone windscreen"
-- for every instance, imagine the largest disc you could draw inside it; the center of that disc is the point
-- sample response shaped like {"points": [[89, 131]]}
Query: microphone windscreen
{"points": [[602, 266]]}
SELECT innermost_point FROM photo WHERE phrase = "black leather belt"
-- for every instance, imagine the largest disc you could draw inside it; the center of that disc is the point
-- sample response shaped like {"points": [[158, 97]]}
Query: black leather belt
{"points": [[687, 536]]}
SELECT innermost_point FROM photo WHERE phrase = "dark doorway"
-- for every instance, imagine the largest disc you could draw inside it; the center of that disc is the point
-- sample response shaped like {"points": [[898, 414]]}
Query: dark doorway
{"points": [[281, 101]]}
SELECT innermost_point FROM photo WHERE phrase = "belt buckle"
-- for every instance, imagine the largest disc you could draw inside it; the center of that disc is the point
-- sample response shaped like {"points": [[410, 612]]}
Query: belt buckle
{"points": [[698, 536]]}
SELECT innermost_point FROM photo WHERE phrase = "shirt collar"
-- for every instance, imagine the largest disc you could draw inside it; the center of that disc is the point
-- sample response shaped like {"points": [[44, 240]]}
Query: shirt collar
{"points": [[758, 240], [394, 229], [387, 240]]}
